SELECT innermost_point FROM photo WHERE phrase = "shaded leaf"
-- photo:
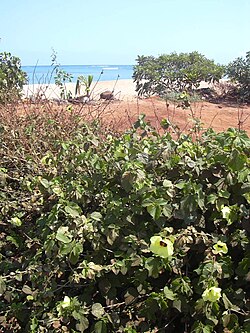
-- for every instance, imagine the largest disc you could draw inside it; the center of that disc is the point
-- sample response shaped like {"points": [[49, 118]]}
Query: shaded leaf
{"points": [[100, 327], [83, 325], [27, 290], [73, 210]]}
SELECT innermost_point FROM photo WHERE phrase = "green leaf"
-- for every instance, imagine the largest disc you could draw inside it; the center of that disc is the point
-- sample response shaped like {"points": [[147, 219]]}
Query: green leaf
{"points": [[65, 248], [13, 240], [75, 253], [100, 327], [228, 304], [181, 185], [153, 265], [63, 238], [177, 304], [245, 190], [127, 180], [27, 290], [112, 235], [45, 183], [34, 324], [167, 211], [243, 267], [207, 329], [237, 161], [230, 213], [97, 310], [200, 305], [96, 216], [73, 210], [230, 321], [16, 221], [211, 198], [167, 183], [201, 197], [169, 293], [224, 194], [247, 197], [242, 175], [154, 210], [83, 325], [198, 327], [30, 298], [61, 235]]}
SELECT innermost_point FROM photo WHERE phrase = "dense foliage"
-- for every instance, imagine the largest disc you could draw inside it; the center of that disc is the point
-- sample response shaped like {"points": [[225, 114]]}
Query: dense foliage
{"points": [[137, 233], [12, 78], [239, 72], [174, 72]]}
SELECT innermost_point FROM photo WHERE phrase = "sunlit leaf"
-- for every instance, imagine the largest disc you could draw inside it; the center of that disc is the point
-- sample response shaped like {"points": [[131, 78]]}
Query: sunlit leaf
{"points": [[16, 221], [97, 310], [2, 286], [169, 293]]}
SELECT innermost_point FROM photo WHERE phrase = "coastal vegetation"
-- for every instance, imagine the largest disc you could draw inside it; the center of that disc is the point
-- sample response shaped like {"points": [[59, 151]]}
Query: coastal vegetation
{"points": [[239, 72], [174, 73], [12, 78], [141, 230], [86, 83]]}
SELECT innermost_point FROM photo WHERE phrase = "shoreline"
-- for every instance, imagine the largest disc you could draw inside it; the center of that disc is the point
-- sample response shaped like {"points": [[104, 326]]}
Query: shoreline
{"points": [[122, 89]]}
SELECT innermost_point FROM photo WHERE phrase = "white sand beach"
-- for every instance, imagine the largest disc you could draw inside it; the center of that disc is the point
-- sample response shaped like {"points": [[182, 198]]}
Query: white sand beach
{"points": [[122, 89]]}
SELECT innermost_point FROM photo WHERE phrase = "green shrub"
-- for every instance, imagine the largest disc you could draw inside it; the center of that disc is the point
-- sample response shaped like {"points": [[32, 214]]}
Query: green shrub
{"points": [[174, 72], [12, 78], [239, 72], [84, 81], [61, 77], [137, 233]]}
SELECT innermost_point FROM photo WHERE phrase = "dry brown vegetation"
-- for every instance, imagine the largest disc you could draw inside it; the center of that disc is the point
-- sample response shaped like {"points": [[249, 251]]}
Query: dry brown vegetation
{"points": [[119, 115]]}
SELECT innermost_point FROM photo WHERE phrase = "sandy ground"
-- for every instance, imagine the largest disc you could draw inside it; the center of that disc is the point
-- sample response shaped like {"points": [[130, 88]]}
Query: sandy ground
{"points": [[126, 107], [123, 89], [217, 116]]}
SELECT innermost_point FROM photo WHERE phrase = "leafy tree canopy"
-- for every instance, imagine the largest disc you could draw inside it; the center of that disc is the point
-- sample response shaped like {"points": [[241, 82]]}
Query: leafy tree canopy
{"points": [[12, 78], [239, 72], [174, 72]]}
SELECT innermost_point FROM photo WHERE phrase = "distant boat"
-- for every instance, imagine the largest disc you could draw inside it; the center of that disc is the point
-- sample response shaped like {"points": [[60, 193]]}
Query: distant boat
{"points": [[110, 68]]}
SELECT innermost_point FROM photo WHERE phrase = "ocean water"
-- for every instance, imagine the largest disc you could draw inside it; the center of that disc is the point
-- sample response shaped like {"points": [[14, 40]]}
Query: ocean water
{"points": [[45, 74]]}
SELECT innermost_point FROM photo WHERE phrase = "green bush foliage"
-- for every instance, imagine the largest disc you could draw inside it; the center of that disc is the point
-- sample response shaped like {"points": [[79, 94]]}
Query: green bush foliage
{"points": [[174, 72], [239, 72], [61, 77], [137, 233], [12, 78]]}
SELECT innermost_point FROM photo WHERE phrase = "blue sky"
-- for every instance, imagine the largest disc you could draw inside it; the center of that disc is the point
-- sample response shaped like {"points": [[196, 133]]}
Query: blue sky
{"points": [[116, 31]]}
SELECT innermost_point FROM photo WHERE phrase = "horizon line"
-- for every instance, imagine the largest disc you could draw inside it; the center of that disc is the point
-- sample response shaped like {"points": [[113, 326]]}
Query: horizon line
{"points": [[101, 65]]}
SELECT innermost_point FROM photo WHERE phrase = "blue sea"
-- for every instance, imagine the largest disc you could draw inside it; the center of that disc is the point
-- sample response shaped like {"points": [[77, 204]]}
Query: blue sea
{"points": [[45, 74]]}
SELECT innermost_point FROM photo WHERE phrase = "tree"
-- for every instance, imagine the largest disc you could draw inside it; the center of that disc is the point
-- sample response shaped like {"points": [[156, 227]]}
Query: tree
{"points": [[12, 78], [239, 72], [174, 72]]}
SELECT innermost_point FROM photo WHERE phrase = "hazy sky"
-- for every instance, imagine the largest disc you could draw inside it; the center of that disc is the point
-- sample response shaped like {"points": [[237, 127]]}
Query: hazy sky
{"points": [[116, 31]]}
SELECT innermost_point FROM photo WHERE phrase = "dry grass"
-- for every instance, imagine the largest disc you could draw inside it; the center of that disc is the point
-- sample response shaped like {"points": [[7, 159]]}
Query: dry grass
{"points": [[38, 125]]}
